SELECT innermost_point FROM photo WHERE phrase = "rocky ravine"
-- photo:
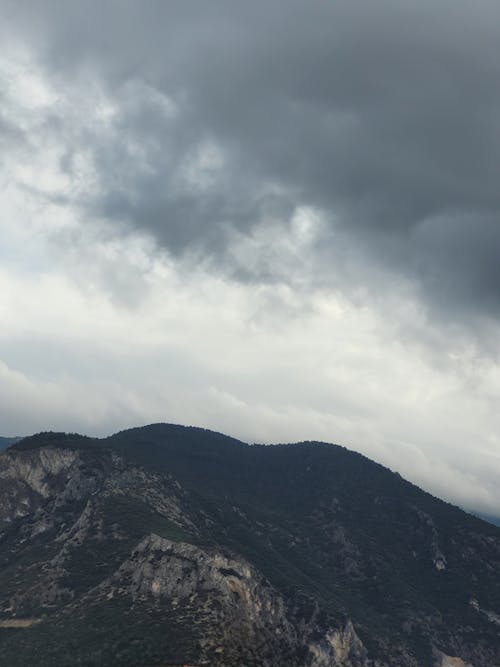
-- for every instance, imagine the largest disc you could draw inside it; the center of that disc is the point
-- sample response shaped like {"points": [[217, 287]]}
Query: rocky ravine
{"points": [[108, 562]]}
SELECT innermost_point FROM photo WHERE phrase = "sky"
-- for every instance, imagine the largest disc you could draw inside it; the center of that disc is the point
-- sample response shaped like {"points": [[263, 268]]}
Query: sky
{"points": [[276, 220]]}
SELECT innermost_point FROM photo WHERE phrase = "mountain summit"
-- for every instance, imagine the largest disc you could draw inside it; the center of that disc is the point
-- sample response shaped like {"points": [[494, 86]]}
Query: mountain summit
{"points": [[169, 545]]}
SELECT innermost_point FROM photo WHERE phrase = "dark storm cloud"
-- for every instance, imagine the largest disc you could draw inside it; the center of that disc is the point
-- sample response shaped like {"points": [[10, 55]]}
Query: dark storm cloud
{"points": [[384, 115]]}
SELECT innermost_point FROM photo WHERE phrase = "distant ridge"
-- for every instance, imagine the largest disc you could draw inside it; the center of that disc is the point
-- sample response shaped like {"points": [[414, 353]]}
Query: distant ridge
{"points": [[6, 442], [495, 520]]}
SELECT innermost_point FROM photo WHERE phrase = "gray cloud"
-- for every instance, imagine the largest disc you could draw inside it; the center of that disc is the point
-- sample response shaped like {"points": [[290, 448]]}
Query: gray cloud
{"points": [[383, 115]]}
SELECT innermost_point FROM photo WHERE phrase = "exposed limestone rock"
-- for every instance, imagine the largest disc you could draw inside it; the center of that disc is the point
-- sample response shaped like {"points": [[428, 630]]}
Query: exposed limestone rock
{"points": [[438, 558], [340, 648], [220, 591], [19, 622], [449, 661], [61, 493]]}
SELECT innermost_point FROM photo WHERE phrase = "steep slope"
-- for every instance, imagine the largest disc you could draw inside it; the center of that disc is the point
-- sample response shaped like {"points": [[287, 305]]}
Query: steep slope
{"points": [[165, 545]]}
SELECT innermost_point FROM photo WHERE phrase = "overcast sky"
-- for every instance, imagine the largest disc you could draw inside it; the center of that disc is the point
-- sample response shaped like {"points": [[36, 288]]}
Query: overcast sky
{"points": [[279, 220]]}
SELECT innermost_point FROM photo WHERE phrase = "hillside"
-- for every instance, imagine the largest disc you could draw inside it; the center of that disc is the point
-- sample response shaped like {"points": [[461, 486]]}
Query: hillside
{"points": [[169, 545]]}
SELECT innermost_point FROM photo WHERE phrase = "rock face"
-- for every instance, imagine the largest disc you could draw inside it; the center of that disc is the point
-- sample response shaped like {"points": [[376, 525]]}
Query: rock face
{"points": [[216, 592], [340, 647], [448, 661], [170, 546]]}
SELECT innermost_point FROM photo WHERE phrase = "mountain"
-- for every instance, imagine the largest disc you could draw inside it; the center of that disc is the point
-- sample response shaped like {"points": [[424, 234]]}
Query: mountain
{"points": [[6, 442], [167, 545]]}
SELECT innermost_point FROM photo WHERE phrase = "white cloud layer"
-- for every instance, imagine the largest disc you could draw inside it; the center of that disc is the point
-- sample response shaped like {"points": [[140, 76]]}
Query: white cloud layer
{"points": [[265, 363]]}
